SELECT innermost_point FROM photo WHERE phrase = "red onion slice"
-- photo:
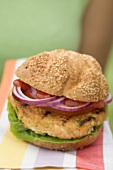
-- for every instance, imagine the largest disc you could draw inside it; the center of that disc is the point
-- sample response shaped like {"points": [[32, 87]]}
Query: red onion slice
{"points": [[61, 106], [109, 99], [33, 92], [56, 102], [19, 92], [71, 109], [19, 96]]}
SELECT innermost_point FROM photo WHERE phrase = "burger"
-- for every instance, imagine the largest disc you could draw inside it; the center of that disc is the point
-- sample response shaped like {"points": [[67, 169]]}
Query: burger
{"points": [[59, 100]]}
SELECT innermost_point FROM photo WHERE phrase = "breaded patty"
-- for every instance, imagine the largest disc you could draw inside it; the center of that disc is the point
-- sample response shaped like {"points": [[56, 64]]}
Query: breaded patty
{"points": [[45, 122]]}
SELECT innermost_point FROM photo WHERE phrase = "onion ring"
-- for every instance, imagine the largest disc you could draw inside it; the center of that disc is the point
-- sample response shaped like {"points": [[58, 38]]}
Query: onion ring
{"points": [[71, 109], [54, 102], [19, 96], [109, 99]]}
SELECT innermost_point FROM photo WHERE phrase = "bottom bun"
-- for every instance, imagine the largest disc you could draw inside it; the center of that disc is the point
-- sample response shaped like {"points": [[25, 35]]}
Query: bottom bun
{"points": [[69, 146]]}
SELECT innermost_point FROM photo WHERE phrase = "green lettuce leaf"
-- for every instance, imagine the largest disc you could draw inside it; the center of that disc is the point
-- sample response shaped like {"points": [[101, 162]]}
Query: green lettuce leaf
{"points": [[18, 129]]}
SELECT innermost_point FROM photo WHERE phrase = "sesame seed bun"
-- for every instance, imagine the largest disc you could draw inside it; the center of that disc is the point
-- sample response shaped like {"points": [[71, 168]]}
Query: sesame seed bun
{"points": [[65, 73]]}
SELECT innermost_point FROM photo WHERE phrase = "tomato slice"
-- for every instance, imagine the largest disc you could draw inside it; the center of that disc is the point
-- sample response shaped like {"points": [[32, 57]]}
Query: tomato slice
{"points": [[17, 82], [25, 87], [42, 95], [68, 114], [27, 92], [99, 104], [72, 103]]}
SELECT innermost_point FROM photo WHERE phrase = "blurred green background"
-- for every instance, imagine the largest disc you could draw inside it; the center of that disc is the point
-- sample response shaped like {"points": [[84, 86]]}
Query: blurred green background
{"points": [[109, 77], [28, 27]]}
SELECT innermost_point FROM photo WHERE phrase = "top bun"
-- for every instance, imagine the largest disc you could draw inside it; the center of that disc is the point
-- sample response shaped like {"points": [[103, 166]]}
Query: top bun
{"points": [[65, 73]]}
